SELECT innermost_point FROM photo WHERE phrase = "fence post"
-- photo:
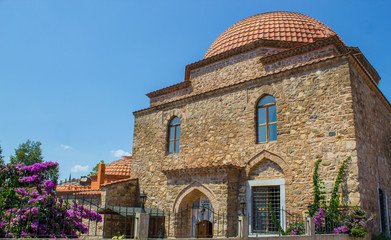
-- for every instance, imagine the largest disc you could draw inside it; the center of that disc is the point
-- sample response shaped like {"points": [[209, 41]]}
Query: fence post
{"points": [[141, 230], [243, 227], [311, 226]]}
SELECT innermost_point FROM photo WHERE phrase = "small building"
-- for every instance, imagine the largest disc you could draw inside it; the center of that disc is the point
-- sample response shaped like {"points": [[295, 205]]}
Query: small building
{"points": [[112, 192]]}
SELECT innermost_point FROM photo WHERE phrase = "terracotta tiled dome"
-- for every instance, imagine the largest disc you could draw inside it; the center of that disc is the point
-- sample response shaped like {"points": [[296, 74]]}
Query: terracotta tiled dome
{"points": [[282, 26]]}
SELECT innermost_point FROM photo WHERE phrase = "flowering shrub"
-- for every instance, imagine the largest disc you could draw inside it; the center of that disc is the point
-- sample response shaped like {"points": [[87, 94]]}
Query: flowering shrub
{"points": [[296, 228], [319, 218], [355, 222], [29, 207]]}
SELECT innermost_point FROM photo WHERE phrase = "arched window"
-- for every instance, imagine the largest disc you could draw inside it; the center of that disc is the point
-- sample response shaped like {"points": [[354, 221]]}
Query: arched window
{"points": [[266, 120], [174, 131]]}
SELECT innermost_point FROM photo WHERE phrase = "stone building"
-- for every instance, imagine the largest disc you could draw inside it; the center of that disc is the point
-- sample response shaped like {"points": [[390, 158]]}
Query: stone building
{"points": [[108, 178], [111, 192], [274, 92]]}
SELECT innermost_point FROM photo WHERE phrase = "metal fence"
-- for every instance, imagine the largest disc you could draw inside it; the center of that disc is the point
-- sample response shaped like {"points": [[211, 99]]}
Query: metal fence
{"points": [[278, 221], [192, 222], [330, 221], [45, 221], [120, 221]]}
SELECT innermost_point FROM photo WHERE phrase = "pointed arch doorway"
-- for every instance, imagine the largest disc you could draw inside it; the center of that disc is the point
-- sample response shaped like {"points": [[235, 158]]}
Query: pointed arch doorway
{"points": [[202, 218], [194, 212], [196, 219]]}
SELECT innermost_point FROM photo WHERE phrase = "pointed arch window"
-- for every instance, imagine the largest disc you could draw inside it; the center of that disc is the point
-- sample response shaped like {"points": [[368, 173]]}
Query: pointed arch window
{"points": [[266, 119], [174, 131]]}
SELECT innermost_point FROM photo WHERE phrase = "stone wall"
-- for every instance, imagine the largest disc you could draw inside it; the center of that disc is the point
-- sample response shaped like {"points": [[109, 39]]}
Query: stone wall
{"points": [[124, 194], [314, 116], [236, 69], [373, 134], [170, 96], [267, 169], [219, 74], [306, 57], [232, 70]]}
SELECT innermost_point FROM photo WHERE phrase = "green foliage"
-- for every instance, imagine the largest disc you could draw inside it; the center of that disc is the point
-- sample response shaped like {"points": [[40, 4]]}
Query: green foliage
{"points": [[29, 153], [318, 186], [356, 221], [94, 171], [334, 200], [274, 219], [358, 233], [319, 194], [118, 237], [295, 228], [53, 174], [381, 237]]}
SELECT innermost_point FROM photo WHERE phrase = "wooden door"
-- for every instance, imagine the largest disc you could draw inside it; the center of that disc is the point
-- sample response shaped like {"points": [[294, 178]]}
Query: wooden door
{"points": [[204, 229]]}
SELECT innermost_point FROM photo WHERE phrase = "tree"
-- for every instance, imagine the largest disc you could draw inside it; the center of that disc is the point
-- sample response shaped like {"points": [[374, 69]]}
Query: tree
{"points": [[1, 157], [29, 153], [94, 171]]}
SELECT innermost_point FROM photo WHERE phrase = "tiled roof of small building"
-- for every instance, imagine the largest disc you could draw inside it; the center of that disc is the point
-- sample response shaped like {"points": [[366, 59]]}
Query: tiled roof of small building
{"points": [[91, 192], [71, 187], [120, 167], [120, 181], [281, 26]]}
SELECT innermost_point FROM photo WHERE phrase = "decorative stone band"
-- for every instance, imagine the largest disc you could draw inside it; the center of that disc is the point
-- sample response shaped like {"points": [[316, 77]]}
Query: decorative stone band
{"points": [[180, 172]]}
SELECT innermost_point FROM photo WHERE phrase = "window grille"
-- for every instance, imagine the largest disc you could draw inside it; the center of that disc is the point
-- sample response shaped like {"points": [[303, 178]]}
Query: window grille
{"points": [[262, 215]]}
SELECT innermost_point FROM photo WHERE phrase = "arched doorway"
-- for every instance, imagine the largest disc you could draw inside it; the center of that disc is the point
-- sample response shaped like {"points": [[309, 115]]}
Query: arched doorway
{"points": [[202, 218], [193, 205], [195, 220]]}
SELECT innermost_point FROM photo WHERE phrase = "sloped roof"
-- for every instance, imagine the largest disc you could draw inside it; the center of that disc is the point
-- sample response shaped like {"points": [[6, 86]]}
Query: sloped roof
{"points": [[120, 167]]}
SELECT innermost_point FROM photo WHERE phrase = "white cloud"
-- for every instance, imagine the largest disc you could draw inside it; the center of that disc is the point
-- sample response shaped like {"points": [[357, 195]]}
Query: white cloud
{"points": [[119, 153], [79, 168], [66, 147]]}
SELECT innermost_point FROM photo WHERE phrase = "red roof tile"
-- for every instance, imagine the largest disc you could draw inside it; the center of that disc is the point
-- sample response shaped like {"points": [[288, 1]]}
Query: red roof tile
{"points": [[88, 193], [119, 168], [71, 187], [270, 26]]}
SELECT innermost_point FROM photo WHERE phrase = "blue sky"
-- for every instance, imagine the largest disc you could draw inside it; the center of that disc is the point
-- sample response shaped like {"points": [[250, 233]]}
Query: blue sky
{"points": [[73, 71]]}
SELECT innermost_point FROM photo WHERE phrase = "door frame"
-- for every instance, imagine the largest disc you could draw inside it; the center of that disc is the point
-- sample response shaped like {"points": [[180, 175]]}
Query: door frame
{"points": [[261, 183]]}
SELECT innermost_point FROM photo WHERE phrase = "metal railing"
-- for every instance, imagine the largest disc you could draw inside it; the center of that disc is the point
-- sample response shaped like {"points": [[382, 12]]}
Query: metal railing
{"points": [[330, 221], [29, 220], [278, 221], [192, 222]]}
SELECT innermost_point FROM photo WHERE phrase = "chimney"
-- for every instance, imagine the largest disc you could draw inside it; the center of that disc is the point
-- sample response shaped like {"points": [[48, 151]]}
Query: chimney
{"points": [[101, 174]]}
